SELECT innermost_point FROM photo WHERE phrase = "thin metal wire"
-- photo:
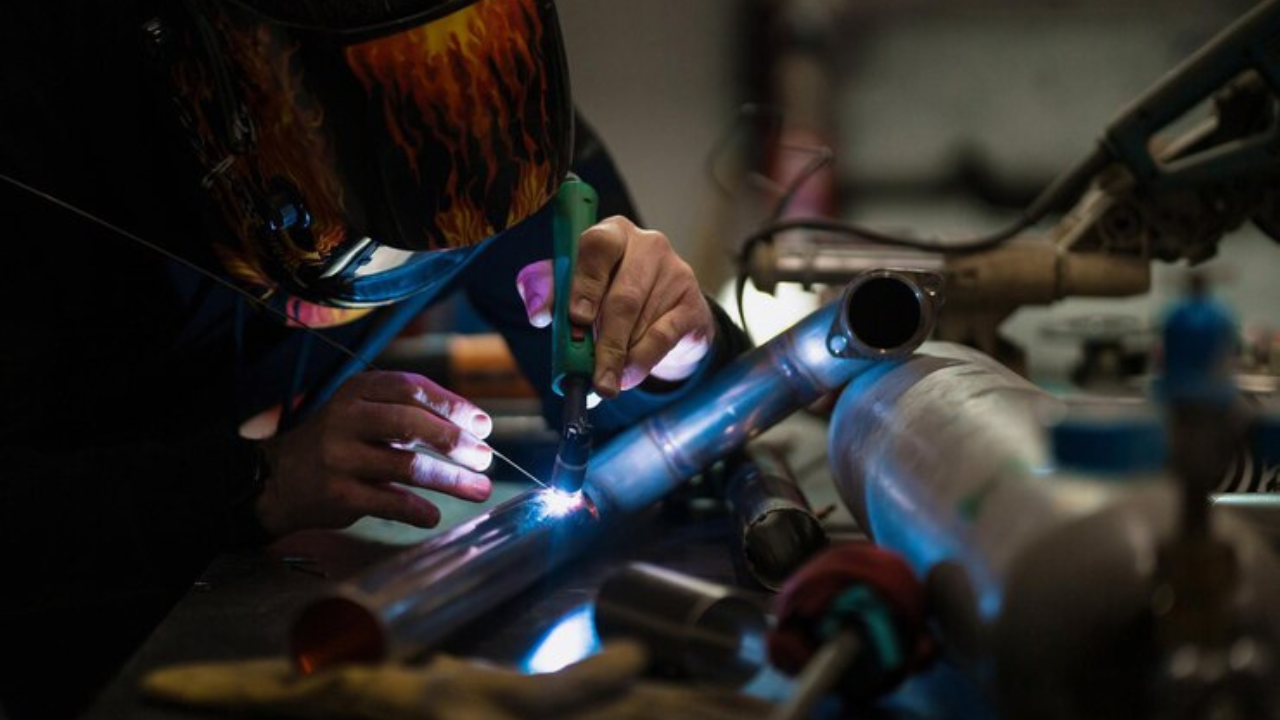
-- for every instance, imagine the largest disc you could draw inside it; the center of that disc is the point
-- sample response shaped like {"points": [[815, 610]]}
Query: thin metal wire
{"points": [[223, 282], [513, 464]]}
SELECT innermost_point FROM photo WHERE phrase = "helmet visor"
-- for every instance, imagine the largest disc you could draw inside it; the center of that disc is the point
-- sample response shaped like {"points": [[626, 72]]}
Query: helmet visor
{"points": [[356, 134]]}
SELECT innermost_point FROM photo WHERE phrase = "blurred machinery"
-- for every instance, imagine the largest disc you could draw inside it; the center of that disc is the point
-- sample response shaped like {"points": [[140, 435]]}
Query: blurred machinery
{"points": [[1072, 579], [1140, 196], [1079, 555], [1074, 556]]}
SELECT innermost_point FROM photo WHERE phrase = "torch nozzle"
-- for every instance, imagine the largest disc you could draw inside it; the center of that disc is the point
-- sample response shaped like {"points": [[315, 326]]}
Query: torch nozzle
{"points": [[575, 438]]}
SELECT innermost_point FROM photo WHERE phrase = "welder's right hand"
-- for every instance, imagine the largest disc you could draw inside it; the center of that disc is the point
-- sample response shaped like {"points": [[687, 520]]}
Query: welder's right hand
{"points": [[352, 458]]}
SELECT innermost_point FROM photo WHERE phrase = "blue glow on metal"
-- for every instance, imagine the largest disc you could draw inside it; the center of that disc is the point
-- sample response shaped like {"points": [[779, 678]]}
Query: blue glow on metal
{"points": [[557, 503], [572, 639]]}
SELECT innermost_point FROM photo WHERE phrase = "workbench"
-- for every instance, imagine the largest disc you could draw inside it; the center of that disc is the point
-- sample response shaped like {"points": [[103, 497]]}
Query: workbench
{"points": [[242, 607]]}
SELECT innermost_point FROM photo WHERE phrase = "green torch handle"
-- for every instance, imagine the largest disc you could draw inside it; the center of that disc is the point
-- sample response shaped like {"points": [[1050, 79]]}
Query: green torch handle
{"points": [[573, 351]]}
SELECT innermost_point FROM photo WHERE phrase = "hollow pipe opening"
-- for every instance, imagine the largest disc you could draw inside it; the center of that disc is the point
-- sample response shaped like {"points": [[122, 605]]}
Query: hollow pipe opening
{"points": [[885, 314], [336, 631], [778, 542]]}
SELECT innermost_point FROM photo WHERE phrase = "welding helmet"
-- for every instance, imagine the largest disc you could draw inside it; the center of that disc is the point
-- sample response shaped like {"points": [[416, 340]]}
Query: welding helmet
{"points": [[358, 150]]}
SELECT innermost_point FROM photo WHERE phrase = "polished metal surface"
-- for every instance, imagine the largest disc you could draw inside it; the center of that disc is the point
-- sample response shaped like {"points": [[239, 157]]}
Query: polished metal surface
{"points": [[1042, 581], [755, 392], [816, 259], [903, 305], [1262, 510], [692, 628], [928, 455], [412, 601], [820, 676], [777, 529]]}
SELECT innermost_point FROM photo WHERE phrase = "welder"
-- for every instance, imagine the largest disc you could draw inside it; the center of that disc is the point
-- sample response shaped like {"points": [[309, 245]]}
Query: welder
{"points": [[332, 168]]}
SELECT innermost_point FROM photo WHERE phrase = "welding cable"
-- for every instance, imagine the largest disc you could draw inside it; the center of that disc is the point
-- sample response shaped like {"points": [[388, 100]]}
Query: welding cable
{"points": [[1065, 188], [1068, 186]]}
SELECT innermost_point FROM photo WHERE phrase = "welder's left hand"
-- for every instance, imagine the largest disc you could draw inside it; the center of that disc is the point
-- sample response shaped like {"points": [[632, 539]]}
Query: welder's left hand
{"points": [[644, 301]]}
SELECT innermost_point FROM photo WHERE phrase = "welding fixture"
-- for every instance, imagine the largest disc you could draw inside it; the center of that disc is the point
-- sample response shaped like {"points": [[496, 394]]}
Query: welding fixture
{"points": [[1136, 197]]}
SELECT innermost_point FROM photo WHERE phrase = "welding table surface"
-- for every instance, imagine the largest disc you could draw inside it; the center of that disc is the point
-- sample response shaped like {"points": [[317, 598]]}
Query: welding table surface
{"points": [[243, 605]]}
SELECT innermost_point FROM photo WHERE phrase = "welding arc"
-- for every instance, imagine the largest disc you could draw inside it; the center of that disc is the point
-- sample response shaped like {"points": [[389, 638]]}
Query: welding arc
{"points": [[227, 284]]}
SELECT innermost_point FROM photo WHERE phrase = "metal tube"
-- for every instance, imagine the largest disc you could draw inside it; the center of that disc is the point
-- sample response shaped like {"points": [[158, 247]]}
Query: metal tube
{"points": [[692, 628], [1035, 575], [752, 394], [777, 530], [812, 258], [417, 598], [413, 600]]}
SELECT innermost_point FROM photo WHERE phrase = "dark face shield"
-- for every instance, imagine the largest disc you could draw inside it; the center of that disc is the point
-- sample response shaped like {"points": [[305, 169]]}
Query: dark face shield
{"points": [[357, 153]]}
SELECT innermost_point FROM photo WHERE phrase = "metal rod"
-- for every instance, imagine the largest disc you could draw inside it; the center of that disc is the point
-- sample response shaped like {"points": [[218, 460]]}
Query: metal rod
{"points": [[411, 601], [692, 628], [823, 673]]}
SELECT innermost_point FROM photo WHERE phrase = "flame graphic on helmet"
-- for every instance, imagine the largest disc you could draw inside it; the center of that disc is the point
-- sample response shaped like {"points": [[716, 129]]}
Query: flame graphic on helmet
{"points": [[472, 83], [292, 147]]}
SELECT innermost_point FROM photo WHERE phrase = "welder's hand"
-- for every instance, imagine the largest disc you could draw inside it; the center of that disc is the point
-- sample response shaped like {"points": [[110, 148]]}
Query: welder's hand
{"points": [[605, 685], [352, 458], [648, 311]]}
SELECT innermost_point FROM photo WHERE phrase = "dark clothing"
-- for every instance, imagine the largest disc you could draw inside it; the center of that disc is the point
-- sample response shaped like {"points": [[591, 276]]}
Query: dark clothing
{"points": [[124, 376]]}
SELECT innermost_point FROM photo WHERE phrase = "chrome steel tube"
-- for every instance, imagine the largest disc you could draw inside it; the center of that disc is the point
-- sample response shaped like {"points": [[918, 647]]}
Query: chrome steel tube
{"points": [[753, 394], [1043, 582], [412, 601], [693, 628], [418, 597], [811, 258], [777, 530]]}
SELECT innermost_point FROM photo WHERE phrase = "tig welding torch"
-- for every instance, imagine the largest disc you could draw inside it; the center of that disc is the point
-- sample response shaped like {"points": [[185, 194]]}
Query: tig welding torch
{"points": [[573, 348]]}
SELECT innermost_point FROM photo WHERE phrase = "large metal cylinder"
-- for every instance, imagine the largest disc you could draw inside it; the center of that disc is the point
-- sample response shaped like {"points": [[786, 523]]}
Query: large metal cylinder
{"points": [[1043, 584], [410, 602]]}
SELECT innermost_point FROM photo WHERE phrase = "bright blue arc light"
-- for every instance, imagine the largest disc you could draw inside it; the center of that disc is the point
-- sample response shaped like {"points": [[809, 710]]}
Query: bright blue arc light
{"points": [[568, 641]]}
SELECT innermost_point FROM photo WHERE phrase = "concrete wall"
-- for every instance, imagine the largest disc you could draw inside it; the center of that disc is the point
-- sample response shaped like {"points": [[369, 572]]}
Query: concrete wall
{"points": [[658, 80]]}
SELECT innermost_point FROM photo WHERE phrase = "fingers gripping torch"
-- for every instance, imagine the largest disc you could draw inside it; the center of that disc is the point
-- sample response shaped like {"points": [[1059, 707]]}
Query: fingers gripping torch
{"points": [[573, 352]]}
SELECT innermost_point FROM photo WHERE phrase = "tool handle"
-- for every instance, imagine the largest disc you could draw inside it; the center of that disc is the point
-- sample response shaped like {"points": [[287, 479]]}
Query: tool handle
{"points": [[573, 350]]}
